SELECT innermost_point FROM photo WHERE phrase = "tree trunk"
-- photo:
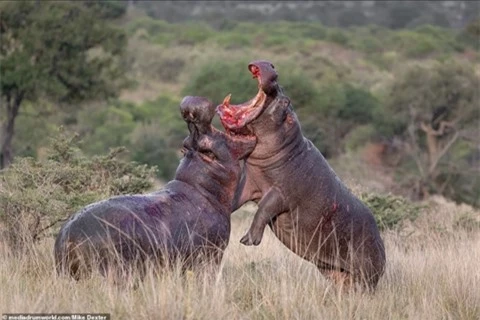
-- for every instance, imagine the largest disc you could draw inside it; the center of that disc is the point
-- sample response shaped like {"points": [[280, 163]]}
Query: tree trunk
{"points": [[8, 130], [432, 145]]}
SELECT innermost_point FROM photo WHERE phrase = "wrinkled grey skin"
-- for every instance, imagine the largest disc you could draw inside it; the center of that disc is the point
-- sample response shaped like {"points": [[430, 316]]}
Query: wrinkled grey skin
{"points": [[298, 194], [188, 220]]}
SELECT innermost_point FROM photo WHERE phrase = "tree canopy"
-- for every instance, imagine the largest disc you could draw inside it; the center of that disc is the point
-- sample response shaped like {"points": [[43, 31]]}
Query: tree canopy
{"points": [[64, 51]]}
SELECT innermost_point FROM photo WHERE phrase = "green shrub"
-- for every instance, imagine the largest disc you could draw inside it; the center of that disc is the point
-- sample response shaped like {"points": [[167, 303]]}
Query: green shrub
{"points": [[370, 45], [384, 60], [152, 26], [152, 145], [416, 44], [310, 30], [159, 134], [468, 37], [276, 40], [359, 136], [149, 63], [106, 127], [35, 196], [232, 40], [390, 211], [192, 33], [338, 36], [359, 105], [152, 131]]}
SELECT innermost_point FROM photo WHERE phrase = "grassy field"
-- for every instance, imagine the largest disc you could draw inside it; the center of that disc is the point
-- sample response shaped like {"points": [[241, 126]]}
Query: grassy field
{"points": [[432, 273]]}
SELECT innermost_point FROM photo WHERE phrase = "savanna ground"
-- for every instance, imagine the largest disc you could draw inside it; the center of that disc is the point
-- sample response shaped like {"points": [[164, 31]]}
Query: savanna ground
{"points": [[432, 273]]}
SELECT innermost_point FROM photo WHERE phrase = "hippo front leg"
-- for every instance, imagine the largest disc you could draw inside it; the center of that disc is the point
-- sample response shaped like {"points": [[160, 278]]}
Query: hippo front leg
{"points": [[271, 205]]}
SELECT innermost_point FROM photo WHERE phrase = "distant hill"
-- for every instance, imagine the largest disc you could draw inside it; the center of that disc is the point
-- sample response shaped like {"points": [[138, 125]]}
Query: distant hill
{"points": [[391, 14]]}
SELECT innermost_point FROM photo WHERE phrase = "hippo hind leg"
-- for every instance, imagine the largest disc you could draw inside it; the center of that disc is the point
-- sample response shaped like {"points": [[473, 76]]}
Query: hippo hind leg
{"points": [[342, 279], [124, 264], [74, 262], [347, 281]]}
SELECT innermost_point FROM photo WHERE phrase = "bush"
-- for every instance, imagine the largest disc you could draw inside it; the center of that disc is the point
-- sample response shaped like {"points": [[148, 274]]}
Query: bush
{"points": [[359, 105], [359, 136], [149, 63], [106, 127], [152, 131], [468, 37], [424, 40], [158, 135], [35, 196], [390, 211], [338, 36], [310, 30], [233, 40], [152, 26], [333, 111], [192, 33], [151, 145]]}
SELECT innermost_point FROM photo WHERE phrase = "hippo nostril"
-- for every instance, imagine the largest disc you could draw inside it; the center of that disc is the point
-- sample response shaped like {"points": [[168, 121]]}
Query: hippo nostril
{"points": [[254, 70]]}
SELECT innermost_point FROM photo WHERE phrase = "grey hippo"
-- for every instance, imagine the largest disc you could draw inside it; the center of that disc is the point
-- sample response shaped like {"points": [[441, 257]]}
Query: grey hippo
{"points": [[298, 194], [188, 220]]}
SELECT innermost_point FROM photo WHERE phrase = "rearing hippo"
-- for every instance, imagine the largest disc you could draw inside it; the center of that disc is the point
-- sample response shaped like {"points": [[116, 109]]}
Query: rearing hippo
{"points": [[187, 220], [298, 194]]}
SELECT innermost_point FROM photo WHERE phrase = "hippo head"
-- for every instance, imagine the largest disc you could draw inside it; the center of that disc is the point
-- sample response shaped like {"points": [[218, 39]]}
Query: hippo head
{"points": [[211, 159], [198, 113], [266, 112]]}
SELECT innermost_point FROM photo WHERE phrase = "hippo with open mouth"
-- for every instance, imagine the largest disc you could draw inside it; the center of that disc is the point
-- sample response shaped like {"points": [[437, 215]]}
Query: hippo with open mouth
{"points": [[298, 194], [188, 220]]}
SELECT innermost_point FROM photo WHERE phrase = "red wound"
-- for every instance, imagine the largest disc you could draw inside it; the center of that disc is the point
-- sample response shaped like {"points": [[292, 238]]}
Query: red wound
{"points": [[334, 206]]}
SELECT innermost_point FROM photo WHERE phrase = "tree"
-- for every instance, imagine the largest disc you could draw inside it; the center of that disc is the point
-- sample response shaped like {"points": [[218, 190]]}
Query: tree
{"points": [[437, 110], [65, 52]]}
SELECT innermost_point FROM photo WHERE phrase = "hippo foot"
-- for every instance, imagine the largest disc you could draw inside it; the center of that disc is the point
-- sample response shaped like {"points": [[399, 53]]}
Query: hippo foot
{"points": [[249, 239]]}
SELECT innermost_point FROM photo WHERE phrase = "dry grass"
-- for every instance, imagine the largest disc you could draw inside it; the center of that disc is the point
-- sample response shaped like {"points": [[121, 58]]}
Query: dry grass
{"points": [[430, 277]]}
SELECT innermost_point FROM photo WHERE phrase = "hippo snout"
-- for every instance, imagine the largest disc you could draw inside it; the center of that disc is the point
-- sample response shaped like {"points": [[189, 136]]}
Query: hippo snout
{"points": [[264, 72]]}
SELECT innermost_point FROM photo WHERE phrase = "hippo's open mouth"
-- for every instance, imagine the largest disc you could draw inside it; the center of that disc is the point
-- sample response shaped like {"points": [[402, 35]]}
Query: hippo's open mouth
{"points": [[235, 118]]}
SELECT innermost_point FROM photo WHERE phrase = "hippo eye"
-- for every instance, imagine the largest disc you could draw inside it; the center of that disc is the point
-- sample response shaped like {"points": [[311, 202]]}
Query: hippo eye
{"points": [[209, 154]]}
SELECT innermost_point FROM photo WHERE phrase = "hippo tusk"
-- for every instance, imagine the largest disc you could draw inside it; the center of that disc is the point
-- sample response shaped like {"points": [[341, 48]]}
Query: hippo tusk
{"points": [[226, 100]]}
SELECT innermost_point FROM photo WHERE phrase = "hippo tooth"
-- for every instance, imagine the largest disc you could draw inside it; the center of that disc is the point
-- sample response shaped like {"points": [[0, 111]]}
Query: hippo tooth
{"points": [[226, 101]]}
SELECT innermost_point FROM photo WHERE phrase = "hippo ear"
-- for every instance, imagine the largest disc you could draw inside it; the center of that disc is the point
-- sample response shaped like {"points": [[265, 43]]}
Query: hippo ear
{"points": [[241, 147]]}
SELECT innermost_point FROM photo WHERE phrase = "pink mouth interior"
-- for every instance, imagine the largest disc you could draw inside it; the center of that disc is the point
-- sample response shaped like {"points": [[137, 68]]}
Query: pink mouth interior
{"points": [[235, 117], [238, 116]]}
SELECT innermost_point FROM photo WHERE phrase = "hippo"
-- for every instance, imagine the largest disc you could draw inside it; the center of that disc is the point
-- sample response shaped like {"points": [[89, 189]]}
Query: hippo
{"points": [[186, 221], [298, 194]]}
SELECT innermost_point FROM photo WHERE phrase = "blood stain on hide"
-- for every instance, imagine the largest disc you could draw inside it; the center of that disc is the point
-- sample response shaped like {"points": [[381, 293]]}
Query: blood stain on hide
{"points": [[154, 209], [334, 207]]}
